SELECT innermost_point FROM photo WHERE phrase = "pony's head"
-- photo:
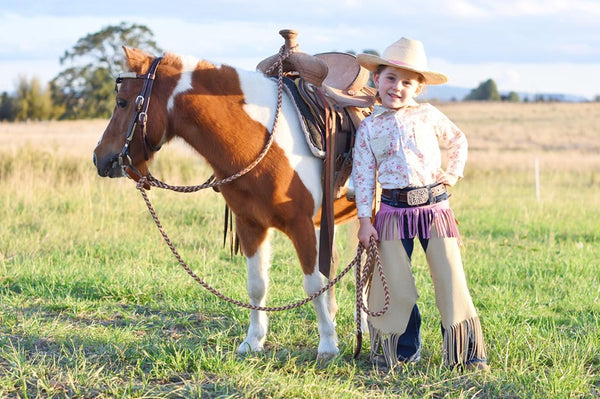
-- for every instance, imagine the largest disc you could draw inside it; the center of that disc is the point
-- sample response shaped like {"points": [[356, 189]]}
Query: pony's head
{"points": [[138, 126]]}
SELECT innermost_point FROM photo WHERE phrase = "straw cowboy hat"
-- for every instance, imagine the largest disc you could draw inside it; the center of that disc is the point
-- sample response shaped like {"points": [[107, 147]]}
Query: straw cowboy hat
{"points": [[404, 54]]}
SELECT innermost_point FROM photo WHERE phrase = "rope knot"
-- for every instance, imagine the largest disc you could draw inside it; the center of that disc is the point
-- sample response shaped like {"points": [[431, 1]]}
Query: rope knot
{"points": [[142, 183]]}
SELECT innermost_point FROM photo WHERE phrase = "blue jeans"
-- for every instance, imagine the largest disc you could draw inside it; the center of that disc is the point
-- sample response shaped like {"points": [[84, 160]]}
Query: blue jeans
{"points": [[409, 343]]}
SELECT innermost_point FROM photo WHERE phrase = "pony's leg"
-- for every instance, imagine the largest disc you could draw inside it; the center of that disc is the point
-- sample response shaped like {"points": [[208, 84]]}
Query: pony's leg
{"points": [[313, 282], [327, 336], [258, 281]]}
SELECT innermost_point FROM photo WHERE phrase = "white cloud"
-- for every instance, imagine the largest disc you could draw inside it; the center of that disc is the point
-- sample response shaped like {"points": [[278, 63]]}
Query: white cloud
{"points": [[518, 8], [578, 49], [510, 78], [42, 36], [515, 42]]}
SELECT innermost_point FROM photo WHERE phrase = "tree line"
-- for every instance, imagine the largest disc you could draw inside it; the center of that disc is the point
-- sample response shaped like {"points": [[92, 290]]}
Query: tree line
{"points": [[85, 88]]}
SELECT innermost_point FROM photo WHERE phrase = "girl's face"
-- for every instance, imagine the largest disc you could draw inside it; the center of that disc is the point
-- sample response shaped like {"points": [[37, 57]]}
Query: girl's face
{"points": [[397, 87]]}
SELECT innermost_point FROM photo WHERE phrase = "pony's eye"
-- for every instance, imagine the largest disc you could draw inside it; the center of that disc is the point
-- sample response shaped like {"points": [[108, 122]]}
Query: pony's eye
{"points": [[121, 103]]}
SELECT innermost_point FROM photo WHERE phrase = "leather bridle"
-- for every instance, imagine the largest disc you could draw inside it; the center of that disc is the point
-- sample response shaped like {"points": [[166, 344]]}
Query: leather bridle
{"points": [[140, 117], [142, 101]]}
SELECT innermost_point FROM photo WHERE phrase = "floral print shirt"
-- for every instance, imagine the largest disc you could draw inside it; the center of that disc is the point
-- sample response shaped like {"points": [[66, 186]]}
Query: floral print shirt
{"points": [[401, 148]]}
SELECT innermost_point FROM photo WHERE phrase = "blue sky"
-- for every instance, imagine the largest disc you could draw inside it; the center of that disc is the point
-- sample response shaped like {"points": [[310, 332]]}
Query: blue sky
{"points": [[536, 46]]}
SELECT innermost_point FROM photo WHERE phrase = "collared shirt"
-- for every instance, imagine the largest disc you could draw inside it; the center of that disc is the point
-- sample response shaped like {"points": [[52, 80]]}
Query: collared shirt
{"points": [[401, 148]]}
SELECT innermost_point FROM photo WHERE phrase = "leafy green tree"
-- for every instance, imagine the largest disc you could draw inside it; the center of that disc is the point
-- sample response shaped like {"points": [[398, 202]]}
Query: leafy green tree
{"points": [[7, 112], [85, 87], [32, 101], [513, 97], [486, 91]]}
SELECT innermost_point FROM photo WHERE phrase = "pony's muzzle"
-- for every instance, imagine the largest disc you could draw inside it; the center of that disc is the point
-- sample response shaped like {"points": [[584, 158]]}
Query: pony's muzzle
{"points": [[108, 166]]}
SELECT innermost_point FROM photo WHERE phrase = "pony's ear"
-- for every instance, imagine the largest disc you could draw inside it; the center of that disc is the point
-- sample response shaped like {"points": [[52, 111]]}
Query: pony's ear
{"points": [[138, 60]]}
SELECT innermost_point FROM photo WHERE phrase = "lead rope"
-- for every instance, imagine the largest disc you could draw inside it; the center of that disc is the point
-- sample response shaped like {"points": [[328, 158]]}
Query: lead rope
{"points": [[211, 182], [362, 273], [372, 255]]}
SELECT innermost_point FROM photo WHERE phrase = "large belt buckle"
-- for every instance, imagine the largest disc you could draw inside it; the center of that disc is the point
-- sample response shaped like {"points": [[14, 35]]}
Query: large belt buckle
{"points": [[418, 196]]}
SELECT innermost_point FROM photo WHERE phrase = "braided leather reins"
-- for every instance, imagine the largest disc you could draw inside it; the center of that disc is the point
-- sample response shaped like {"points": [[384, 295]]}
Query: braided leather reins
{"points": [[363, 274]]}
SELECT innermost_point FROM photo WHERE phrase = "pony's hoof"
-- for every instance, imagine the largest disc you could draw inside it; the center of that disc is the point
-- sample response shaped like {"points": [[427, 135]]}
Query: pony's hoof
{"points": [[327, 352], [246, 348], [326, 357]]}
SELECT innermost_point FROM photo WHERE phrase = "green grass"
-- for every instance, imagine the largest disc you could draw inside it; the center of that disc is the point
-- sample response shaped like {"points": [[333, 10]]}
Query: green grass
{"points": [[93, 304]]}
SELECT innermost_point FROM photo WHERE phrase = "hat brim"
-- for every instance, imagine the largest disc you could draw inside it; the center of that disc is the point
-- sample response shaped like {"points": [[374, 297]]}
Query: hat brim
{"points": [[371, 62]]}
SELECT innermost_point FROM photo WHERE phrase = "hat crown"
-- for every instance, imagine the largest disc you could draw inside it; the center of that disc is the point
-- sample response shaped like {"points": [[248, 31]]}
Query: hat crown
{"points": [[407, 53]]}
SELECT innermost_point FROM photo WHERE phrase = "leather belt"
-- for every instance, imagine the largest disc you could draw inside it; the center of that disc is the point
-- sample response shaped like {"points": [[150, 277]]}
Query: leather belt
{"points": [[415, 196]]}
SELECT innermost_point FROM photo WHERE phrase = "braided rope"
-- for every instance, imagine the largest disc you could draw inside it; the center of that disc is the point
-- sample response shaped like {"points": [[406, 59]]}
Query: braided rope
{"points": [[279, 63], [372, 256], [362, 273], [211, 182], [362, 279]]}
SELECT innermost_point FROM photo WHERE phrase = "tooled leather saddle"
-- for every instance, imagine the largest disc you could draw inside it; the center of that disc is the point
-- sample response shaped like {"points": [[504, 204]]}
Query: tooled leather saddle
{"points": [[332, 98]]}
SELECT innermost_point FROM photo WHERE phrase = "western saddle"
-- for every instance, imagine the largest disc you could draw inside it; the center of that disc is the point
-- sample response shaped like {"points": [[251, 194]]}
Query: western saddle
{"points": [[332, 97], [331, 93]]}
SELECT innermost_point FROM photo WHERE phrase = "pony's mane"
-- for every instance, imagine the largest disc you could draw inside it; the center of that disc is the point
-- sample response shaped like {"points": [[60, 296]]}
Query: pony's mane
{"points": [[189, 63]]}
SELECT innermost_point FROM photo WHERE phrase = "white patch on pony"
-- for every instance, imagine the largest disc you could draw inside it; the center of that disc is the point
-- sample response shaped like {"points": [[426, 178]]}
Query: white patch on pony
{"points": [[328, 337], [258, 284], [190, 64], [260, 94]]}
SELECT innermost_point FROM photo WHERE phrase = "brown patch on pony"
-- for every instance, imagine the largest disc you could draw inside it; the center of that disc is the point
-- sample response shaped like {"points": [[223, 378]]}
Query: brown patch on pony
{"points": [[210, 116], [114, 137], [212, 119], [344, 211]]}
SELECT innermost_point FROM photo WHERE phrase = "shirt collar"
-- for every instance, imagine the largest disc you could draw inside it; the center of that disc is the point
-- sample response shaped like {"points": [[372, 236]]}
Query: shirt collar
{"points": [[379, 110]]}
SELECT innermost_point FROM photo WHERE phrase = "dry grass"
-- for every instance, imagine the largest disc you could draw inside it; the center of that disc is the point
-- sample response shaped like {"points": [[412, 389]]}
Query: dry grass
{"points": [[502, 136], [92, 303], [563, 136], [66, 137]]}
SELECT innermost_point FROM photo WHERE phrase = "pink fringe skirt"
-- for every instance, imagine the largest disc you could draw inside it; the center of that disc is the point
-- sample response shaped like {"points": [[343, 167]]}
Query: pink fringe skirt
{"points": [[399, 223]]}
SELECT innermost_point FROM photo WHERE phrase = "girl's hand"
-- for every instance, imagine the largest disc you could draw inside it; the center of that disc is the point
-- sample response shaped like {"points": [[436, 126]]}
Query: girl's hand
{"points": [[365, 231], [446, 178]]}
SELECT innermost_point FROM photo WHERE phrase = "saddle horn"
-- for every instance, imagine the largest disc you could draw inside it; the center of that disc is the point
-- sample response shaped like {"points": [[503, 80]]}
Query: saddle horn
{"points": [[307, 66]]}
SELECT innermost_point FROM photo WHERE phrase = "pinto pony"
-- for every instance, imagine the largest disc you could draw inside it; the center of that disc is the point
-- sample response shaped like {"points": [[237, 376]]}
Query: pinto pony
{"points": [[226, 115]]}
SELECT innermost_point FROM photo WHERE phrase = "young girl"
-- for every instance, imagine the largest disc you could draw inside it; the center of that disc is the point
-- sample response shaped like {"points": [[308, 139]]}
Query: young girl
{"points": [[399, 146]]}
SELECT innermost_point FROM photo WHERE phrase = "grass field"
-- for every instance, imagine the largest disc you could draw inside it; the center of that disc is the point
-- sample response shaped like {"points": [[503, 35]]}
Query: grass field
{"points": [[93, 304]]}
